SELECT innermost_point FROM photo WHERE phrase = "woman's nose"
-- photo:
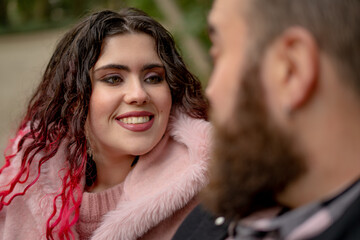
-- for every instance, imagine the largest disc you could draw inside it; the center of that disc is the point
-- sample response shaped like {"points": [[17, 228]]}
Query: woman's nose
{"points": [[136, 93]]}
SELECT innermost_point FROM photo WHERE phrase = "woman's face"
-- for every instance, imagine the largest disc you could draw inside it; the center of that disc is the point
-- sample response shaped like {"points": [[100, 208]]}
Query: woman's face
{"points": [[131, 100]]}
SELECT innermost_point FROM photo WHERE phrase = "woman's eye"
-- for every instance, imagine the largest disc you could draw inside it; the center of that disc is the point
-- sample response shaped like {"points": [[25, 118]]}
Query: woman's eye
{"points": [[154, 79], [113, 80]]}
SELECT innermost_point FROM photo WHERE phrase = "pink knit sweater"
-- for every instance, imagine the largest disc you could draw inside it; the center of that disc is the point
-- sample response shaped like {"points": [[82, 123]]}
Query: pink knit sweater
{"points": [[150, 204], [94, 206]]}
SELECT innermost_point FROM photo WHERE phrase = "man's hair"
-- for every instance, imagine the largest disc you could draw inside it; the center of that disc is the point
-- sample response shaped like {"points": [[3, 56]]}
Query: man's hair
{"points": [[333, 23]]}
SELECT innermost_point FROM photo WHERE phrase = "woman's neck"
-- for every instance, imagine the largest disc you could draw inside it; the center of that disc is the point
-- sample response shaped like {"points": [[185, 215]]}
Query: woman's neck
{"points": [[111, 171]]}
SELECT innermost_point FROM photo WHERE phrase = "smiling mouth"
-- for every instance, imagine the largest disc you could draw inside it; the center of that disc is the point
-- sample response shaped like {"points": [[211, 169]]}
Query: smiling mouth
{"points": [[136, 120]]}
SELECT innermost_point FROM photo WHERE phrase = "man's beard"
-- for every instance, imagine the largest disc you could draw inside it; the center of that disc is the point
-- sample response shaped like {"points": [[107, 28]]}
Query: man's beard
{"points": [[253, 160]]}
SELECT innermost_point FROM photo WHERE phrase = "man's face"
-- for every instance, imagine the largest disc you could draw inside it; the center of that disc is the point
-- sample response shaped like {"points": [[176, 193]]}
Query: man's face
{"points": [[253, 160], [228, 34]]}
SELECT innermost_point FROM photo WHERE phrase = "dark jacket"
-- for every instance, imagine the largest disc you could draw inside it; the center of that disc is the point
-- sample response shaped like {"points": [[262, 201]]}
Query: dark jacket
{"points": [[347, 227], [200, 225]]}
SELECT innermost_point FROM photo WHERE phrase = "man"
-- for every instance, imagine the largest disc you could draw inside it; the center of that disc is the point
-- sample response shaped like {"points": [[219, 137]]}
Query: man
{"points": [[285, 98]]}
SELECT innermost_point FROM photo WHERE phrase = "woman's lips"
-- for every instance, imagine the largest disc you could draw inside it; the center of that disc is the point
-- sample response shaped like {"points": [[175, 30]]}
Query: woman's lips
{"points": [[136, 121]]}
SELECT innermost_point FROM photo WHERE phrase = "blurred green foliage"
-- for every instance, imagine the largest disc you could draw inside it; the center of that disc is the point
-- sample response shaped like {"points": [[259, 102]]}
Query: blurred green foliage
{"points": [[185, 19]]}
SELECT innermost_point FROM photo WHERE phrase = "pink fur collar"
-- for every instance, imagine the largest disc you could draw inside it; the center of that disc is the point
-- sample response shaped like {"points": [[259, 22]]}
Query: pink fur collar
{"points": [[162, 182]]}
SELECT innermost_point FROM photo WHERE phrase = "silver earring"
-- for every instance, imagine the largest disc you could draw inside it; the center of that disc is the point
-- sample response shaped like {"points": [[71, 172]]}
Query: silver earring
{"points": [[89, 150]]}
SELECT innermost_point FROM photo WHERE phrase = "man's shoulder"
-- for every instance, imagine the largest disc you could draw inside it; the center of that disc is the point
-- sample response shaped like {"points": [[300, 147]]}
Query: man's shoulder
{"points": [[200, 224], [347, 227]]}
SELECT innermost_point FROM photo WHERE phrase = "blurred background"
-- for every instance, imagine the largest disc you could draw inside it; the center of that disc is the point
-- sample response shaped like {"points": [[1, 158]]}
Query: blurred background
{"points": [[30, 29]]}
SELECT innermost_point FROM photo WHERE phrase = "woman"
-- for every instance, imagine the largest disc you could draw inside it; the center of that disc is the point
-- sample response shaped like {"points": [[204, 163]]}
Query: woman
{"points": [[114, 141]]}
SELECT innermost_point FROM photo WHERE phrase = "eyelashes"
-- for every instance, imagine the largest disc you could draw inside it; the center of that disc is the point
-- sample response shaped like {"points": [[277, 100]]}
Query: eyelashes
{"points": [[154, 79], [117, 79], [112, 79]]}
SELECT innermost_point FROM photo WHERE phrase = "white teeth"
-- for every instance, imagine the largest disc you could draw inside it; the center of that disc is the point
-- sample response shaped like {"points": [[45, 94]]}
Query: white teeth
{"points": [[135, 120]]}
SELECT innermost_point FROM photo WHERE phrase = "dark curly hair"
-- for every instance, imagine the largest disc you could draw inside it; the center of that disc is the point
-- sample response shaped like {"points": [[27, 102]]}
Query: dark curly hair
{"points": [[59, 108]]}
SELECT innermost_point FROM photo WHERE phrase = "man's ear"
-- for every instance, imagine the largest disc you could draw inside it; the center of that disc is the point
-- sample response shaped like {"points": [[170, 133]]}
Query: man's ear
{"points": [[297, 63]]}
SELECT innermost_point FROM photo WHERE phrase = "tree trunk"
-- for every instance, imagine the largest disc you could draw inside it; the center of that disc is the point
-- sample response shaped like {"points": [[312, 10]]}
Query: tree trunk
{"points": [[4, 21], [42, 10], [195, 50]]}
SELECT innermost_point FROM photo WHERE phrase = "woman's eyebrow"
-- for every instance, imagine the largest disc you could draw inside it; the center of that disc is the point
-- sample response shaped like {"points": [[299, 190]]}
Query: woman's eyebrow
{"points": [[151, 66], [111, 66], [126, 68]]}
